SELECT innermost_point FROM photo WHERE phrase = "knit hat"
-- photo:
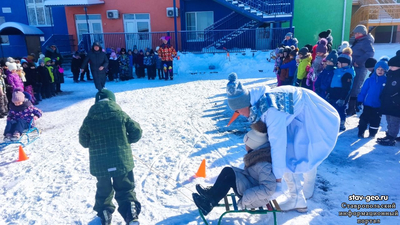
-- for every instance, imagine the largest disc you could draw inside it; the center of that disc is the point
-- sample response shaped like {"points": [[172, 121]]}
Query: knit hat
{"points": [[238, 96], [344, 45], [46, 59], [113, 55], [23, 61], [383, 63], [294, 52], [287, 49], [395, 61], [280, 50], [11, 66], [10, 59], [360, 29], [345, 57], [333, 57], [370, 63], [289, 34], [18, 96], [255, 139], [303, 51], [325, 34], [321, 46], [40, 61], [105, 94], [165, 38]]}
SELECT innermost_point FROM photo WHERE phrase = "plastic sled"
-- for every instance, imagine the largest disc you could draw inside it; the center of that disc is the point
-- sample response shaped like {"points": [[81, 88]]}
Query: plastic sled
{"points": [[271, 207], [29, 136]]}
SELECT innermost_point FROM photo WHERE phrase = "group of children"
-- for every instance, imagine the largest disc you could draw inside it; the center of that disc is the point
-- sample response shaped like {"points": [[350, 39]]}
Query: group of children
{"points": [[331, 75], [22, 85], [123, 64]]}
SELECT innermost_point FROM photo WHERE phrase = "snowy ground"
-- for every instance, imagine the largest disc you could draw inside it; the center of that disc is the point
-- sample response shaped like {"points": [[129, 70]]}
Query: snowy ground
{"points": [[183, 121]]}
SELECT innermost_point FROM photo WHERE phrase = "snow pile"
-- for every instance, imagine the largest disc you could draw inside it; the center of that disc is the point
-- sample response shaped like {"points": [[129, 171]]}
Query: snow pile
{"points": [[183, 121]]}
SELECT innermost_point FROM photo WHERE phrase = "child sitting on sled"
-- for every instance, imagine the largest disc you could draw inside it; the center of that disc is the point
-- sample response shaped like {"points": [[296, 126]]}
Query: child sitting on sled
{"points": [[254, 185], [20, 115]]}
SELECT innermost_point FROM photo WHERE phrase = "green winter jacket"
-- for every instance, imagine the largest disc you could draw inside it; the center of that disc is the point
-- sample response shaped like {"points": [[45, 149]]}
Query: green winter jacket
{"points": [[108, 132], [301, 70]]}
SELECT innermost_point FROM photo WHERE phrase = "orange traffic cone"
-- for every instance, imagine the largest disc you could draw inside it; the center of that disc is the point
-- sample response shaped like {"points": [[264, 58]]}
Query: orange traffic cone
{"points": [[22, 155], [234, 116], [202, 170]]}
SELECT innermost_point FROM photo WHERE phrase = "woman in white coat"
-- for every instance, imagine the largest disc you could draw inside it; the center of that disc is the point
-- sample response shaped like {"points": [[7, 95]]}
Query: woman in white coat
{"points": [[254, 185], [302, 128]]}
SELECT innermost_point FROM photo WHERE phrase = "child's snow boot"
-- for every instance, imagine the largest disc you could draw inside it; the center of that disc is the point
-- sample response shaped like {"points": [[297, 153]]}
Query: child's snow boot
{"points": [[132, 217], [106, 217], [342, 126], [204, 204], [388, 141], [206, 192], [15, 136]]}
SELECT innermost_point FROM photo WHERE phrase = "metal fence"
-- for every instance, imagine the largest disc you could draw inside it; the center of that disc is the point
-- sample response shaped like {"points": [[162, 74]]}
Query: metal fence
{"points": [[64, 43], [192, 41]]}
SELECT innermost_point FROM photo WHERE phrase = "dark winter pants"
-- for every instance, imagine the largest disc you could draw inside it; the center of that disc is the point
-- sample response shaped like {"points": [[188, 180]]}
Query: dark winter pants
{"points": [[76, 75], [16, 126], [37, 88], [393, 125], [168, 69], [225, 181], [124, 187], [53, 89], [46, 92], [86, 70], [160, 73], [340, 109], [99, 79], [372, 117]]}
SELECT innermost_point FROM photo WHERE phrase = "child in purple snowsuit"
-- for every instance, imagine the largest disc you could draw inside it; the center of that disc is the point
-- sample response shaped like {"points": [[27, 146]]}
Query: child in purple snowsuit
{"points": [[20, 115]]}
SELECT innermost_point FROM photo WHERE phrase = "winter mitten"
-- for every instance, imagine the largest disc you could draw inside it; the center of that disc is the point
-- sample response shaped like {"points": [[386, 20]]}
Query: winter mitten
{"points": [[340, 102], [170, 69], [165, 68]]}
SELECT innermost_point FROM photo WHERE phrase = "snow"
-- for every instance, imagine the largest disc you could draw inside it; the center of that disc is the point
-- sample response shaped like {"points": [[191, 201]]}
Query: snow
{"points": [[183, 121]]}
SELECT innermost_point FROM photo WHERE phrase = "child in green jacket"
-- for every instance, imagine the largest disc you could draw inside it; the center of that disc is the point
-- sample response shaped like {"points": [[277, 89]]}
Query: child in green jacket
{"points": [[305, 60], [108, 132]]}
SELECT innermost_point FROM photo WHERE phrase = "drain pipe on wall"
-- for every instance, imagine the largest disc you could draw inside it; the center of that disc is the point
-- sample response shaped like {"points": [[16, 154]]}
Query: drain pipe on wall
{"points": [[344, 19]]}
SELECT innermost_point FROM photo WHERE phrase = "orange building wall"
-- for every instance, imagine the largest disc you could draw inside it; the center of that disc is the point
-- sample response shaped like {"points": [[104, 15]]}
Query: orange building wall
{"points": [[156, 8]]}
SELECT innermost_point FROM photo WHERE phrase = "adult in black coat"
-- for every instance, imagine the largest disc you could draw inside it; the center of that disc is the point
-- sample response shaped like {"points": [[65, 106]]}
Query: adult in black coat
{"points": [[54, 54], [98, 64]]}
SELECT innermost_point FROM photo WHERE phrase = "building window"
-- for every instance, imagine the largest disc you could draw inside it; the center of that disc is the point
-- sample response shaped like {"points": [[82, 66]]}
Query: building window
{"points": [[197, 22], [3, 38], [38, 13]]}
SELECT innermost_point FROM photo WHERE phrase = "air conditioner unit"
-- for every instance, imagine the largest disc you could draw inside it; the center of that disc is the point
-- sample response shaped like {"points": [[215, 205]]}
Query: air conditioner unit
{"points": [[170, 12], [112, 14]]}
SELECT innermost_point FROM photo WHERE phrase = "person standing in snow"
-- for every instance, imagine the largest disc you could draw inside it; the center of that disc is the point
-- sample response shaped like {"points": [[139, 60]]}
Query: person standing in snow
{"points": [[98, 65], [302, 130], [167, 53], [255, 184], [108, 132], [390, 102], [362, 50], [369, 97]]}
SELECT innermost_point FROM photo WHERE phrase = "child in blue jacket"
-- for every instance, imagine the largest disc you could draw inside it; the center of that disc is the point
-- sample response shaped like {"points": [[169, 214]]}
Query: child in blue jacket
{"points": [[325, 77], [292, 66], [369, 97], [342, 82]]}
